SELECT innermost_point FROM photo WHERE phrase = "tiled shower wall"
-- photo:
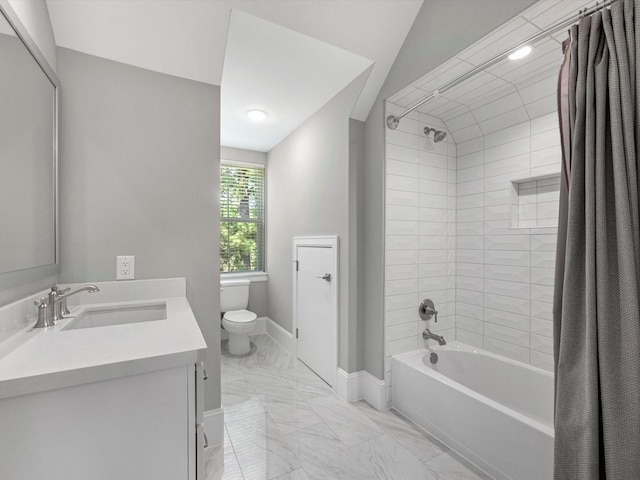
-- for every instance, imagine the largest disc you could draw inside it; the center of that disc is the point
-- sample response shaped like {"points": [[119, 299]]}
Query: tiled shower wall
{"points": [[449, 237], [420, 233], [504, 272]]}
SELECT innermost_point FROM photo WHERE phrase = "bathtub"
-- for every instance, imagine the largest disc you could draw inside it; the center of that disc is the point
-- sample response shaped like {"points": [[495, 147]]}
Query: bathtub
{"points": [[495, 412]]}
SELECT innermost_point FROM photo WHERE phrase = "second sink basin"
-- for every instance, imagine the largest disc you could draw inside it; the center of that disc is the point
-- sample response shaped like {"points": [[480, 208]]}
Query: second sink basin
{"points": [[118, 315]]}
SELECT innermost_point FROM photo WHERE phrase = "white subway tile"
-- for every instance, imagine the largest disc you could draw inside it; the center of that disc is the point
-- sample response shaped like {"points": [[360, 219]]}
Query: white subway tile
{"points": [[401, 272], [433, 159], [433, 242], [452, 176], [433, 173], [509, 304], [545, 243], [543, 259], [474, 242], [434, 201], [506, 334], [540, 309], [496, 212], [403, 345], [542, 106], [543, 276], [405, 184], [502, 121], [507, 273], [469, 201], [469, 283], [508, 289], [467, 133], [545, 123], [470, 256], [518, 163], [471, 146], [401, 257], [506, 135], [497, 197], [503, 181], [469, 338], [400, 287], [542, 344], [470, 311], [398, 197], [403, 330], [428, 145], [542, 360], [398, 302], [433, 256], [543, 327], [470, 228], [434, 228], [508, 319], [470, 269], [509, 350], [428, 270], [432, 284], [471, 188], [542, 293], [433, 188], [403, 315], [402, 227], [507, 150], [507, 242], [400, 212], [469, 174], [396, 137], [547, 156], [497, 107], [540, 89], [469, 215], [397, 167], [470, 160], [547, 211], [469, 296], [402, 242], [519, 258], [501, 227], [546, 170], [404, 154], [470, 324]]}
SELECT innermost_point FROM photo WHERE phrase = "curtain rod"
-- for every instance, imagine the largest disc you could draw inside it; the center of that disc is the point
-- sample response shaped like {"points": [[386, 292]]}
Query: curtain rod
{"points": [[394, 120]]}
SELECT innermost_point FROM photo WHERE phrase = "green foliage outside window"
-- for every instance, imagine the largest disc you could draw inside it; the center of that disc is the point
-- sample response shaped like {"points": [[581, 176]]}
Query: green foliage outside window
{"points": [[241, 219]]}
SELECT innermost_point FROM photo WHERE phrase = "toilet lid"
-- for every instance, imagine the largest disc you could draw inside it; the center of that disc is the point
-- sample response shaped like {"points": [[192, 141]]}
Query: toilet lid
{"points": [[240, 316]]}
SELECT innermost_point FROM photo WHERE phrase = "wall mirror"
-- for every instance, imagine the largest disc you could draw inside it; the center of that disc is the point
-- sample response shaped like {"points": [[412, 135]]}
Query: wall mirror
{"points": [[28, 157]]}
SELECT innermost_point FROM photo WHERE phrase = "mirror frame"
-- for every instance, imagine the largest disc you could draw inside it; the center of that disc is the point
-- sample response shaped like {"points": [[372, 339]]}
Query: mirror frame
{"points": [[20, 277]]}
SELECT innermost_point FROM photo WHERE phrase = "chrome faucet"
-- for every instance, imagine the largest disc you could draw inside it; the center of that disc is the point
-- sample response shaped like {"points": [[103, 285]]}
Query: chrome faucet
{"points": [[53, 307], [426, 335]]}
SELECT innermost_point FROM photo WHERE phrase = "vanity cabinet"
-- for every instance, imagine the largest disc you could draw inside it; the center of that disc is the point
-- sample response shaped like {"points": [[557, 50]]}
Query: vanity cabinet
{"points": [[136, 427]]}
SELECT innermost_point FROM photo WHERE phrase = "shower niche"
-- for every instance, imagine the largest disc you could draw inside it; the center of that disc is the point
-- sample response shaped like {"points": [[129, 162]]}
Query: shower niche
{"points": [[534, 202]]}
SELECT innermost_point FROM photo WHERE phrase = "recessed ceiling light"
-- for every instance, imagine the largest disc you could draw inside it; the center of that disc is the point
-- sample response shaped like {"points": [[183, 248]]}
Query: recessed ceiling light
{"points": [[257, 115], [521, 53]]}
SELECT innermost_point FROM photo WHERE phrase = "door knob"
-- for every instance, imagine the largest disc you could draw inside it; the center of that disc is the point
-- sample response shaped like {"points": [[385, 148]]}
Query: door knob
{"points": [[326, 277]]}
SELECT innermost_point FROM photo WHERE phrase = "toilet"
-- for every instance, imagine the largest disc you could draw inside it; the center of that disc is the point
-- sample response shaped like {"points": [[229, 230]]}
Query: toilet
{"points": [[237, 320]]}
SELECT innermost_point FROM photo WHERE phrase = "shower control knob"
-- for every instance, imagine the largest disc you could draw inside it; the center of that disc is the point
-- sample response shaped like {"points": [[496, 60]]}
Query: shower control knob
{"points": [[427, 309]]}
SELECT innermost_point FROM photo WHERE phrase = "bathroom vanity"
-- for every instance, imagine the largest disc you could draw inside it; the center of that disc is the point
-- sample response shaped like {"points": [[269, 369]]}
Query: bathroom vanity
{"points": [[114, 391]]}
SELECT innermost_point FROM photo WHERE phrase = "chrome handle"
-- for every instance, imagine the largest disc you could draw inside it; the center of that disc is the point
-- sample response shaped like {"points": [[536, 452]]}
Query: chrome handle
{"points": [[326, 277], [204, 371], [427, 309], [206, 440]]}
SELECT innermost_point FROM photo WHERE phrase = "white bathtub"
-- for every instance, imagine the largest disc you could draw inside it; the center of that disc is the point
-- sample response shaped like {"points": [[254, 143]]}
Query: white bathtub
{"points": [[495, 412]]}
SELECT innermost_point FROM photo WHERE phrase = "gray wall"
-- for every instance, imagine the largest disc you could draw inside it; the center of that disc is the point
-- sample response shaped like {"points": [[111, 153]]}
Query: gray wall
{"points": [[442, 28], [308, 194], [139, 160]]}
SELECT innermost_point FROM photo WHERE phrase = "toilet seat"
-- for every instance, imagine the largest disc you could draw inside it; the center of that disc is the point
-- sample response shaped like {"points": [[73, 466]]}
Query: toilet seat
{"points": [[240, 316]]}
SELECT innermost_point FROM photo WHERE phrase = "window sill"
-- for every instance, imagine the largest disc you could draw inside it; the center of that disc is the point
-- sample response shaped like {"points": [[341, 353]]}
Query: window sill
{"points": [[251, 276]]}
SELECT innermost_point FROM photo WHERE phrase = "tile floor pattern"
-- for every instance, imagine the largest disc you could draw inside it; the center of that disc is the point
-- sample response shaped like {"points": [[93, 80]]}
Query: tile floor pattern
{"points": [[282, 422]]}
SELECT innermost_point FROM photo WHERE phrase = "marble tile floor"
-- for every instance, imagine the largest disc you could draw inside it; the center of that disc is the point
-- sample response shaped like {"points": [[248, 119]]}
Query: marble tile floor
{"points": [[283, 422]]}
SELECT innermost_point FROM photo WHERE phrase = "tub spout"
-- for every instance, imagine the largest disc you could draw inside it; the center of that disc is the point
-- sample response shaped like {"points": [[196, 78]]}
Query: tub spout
{"points": [[426, 335]]}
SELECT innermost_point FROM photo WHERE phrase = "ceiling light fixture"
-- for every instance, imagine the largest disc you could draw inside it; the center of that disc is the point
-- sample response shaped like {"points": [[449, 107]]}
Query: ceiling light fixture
{"points": [[257, 115], [521, 53]]}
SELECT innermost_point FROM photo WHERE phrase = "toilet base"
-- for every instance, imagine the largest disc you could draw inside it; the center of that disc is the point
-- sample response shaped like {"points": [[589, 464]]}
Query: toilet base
{"points": [[225, 350], [239, 344]]}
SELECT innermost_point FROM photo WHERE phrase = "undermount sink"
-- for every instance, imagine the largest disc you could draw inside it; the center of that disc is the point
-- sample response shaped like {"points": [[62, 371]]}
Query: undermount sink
{"points": [[118, 315]]}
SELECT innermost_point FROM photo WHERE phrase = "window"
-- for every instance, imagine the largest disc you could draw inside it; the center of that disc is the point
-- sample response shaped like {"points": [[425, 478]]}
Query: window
{"points": [[241, 218]]}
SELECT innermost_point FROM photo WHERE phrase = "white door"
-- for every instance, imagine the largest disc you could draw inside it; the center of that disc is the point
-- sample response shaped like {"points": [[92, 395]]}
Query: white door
{"points": [[316, 308]]}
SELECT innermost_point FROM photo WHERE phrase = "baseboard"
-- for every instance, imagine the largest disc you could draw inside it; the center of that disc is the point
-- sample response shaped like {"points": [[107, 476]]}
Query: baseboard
{"points": [[361, 385], [214, 426], [281, 336]]}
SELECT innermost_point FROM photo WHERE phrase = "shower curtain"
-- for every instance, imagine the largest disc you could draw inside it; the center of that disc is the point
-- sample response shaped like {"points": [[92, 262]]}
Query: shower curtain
{"points": [[597, 301]]}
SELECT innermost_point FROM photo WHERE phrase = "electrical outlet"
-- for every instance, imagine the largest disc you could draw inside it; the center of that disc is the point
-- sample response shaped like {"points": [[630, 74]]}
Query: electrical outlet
{"points": [[125, 267]]}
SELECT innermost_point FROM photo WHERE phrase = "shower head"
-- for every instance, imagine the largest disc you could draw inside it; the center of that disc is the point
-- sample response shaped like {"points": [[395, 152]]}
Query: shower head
{"points": [[438, 135]]}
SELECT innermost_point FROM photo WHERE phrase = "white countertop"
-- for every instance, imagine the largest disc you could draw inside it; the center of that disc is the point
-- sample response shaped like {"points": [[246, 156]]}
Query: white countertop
{"points": [[34, 360]]}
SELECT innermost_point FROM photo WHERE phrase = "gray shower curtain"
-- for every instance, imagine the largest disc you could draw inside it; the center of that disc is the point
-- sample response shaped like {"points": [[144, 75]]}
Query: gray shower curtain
{"points": [[597, 301]]}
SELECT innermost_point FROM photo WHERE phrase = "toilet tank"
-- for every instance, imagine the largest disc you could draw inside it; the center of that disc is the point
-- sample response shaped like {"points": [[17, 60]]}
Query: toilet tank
{"points": [[234, 295]]}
